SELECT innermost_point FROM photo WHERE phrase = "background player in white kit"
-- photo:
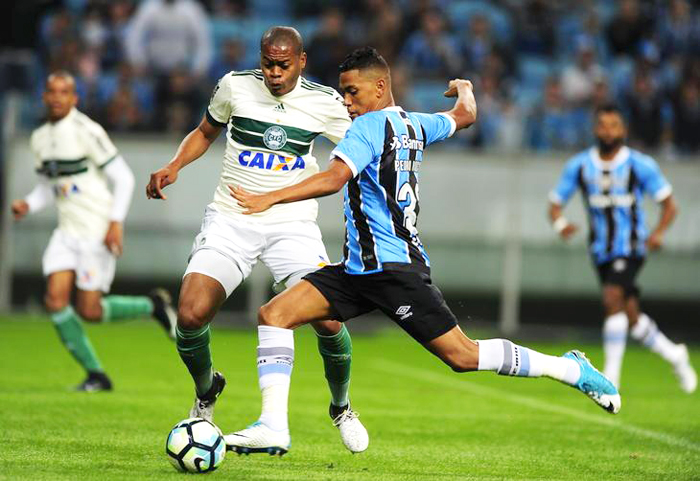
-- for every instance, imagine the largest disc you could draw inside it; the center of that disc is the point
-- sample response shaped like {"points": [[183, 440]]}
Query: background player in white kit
{"points": [[271, 116], [75, 159]]}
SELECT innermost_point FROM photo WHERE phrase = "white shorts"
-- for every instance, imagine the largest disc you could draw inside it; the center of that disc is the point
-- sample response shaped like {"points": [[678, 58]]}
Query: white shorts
{"points": [[286, 248], [92, 262]]}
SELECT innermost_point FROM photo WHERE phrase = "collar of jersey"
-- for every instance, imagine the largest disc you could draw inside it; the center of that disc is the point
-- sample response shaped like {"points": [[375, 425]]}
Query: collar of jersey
{"points": [[619, 158], [393, 108]]}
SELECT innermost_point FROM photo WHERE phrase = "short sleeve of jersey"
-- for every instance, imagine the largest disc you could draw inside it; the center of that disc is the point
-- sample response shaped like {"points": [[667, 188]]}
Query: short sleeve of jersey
{"points": [[338, 121], [219, 109], [651, 179], [437, 127], [568, 183], [98, 145], [359, 146]]}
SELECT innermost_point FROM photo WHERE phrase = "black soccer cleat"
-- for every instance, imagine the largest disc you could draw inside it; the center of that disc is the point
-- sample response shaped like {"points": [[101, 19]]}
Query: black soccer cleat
{"points": [[163, 310], [95, 382], [204, 406]]}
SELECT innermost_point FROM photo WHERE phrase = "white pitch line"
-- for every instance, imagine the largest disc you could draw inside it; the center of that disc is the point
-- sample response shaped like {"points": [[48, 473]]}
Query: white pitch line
{"points": [[453, 382]]}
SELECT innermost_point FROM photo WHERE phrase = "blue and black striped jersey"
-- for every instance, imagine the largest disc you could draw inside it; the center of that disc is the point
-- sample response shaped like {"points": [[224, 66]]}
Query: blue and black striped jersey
{"points": [[613, 193], [384, 150]]}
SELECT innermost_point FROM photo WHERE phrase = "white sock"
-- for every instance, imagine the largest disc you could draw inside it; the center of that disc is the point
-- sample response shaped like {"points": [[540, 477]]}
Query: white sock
{"points": [[647, 332], [614, 342], [275, 361], [508, 359]]}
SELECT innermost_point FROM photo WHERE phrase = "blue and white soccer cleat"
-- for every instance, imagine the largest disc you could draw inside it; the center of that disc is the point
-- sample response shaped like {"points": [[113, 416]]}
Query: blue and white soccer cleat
{"points": [[595, 385], [258, 438]]}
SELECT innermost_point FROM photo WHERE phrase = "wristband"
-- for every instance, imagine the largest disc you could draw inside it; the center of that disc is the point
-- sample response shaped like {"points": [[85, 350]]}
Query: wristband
{"points": [[560, 224]]}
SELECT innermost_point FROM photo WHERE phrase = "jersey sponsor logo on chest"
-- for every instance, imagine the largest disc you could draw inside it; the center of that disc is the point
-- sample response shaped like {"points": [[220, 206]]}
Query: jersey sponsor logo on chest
{"points": [[405, 142], [270, 161], [601, 201]]}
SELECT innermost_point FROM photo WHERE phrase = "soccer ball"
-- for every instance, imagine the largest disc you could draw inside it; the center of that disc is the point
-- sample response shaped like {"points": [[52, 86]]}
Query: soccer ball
{"points": [[195, 445]]}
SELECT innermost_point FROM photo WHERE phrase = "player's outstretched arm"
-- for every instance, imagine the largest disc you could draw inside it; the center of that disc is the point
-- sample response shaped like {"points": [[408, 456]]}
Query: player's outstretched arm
{"points": [[669, 210], [464, 111], [562, 226], [322, 184], [191, 148]]}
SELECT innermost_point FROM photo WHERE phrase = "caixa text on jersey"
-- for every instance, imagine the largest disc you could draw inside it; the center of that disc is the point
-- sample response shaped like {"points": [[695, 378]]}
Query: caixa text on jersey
{"points": [[269, 161]]}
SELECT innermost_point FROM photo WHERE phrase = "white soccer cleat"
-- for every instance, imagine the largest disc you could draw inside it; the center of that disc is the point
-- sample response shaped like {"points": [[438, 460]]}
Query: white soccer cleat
{"points": [[685, 373], [204, 406], [258, 438], [352, 432]]}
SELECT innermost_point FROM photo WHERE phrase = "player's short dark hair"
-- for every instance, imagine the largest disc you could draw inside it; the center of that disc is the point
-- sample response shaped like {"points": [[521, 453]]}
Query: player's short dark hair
{"points": [[363, 58], [281, 35], [609, 108]]}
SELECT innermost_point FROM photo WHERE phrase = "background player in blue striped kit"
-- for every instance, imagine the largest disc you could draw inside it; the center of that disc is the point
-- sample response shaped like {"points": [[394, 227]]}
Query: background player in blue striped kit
{"points": [[385, 265], [613, 180]]}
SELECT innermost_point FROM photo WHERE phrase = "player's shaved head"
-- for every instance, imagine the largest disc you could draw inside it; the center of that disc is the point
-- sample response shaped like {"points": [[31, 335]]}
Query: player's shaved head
{"points": [[368, 62], [282, 37], [63, 75]]}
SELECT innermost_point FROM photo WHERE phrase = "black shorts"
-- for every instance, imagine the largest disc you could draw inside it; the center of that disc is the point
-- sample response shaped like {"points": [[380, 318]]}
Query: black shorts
{"points": [[409, 298], [623, 272]]}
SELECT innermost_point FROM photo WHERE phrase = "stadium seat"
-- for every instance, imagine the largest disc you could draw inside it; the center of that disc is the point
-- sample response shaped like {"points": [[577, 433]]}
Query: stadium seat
{"points": [[459, 15]]}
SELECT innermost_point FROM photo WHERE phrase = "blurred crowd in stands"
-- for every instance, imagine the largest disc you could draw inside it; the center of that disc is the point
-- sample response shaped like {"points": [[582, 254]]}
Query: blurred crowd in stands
{"points": [[539, 67]]}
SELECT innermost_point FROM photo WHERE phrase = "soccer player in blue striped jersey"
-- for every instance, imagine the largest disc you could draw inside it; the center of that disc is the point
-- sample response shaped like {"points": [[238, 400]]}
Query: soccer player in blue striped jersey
{"points": [[613, 180], [385, 265]]}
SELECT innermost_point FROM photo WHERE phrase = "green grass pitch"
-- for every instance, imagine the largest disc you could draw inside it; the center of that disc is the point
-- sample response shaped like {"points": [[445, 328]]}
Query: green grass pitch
{"points": [[425, 422]]}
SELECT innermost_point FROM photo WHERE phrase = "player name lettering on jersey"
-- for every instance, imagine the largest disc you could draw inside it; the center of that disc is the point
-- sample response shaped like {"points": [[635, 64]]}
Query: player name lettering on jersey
{"points": [[406, 165], [270, 161], [601, 201]]}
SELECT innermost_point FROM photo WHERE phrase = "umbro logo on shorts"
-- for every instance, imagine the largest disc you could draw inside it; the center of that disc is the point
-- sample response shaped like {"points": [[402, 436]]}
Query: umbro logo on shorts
{"points": [[404, 312], [619, 265]]}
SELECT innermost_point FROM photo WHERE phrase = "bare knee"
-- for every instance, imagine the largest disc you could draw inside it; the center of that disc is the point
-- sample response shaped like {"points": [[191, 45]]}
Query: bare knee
{"points": [[54, 302], [192, 316], [271, 315], [613, 299], [327, 328], [91, 312]]}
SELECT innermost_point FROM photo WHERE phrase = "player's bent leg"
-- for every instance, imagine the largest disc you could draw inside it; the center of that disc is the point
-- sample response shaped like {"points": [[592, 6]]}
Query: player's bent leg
{"points": [[70, 330], [647, 333], [294, 307], [509, 359], [200, 299], [335, 347]]}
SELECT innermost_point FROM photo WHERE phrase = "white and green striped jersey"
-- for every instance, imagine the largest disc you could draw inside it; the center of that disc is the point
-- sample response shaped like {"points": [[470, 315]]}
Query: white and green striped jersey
{"points": [[71, 154], [269, 140]]}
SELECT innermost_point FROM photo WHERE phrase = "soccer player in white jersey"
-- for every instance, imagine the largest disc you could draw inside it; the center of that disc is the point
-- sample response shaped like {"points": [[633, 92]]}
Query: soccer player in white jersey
{"points": [[76, 161], [613, 180], [271, 117]]}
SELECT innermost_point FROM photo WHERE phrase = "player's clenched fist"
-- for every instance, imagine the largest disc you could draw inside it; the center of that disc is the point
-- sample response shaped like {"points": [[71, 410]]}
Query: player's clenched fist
{"points": [[452, 87], [159, 180], [20, 208]]}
